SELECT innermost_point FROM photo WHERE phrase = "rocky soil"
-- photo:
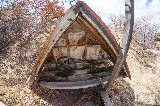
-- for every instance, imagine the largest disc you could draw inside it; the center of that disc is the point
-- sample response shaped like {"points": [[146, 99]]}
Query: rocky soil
{"points": [[145, 78], [144, 66]]}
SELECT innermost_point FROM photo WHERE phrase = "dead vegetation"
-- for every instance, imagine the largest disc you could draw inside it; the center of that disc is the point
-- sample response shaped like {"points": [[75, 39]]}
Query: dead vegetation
{"points": [[144, 37], [19, 42], [143, 59]]}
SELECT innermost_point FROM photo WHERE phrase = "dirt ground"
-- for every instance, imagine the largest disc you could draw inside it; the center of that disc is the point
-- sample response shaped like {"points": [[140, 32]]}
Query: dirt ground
{"points": [[145, 78]]}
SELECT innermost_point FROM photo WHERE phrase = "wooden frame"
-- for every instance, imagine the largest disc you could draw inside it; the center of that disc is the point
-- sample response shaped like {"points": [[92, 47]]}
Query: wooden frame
{"points": [[92, 22]]}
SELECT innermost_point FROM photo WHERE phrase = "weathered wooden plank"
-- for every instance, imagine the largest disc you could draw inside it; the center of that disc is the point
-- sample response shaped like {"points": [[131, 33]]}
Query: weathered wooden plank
{"points": [[97, 36], [95, 28], [75, 27], [128, 28], [95, 52], [75, 38], [77, 45], [88, 23], [81, 69], [72, 85], [75, 78], [62, 41], [60, 52], [52, 73], [63, 25], [77, 52]]}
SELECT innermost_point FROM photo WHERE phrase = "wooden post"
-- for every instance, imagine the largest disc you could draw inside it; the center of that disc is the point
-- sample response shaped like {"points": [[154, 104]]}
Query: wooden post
{"points": [[128, 28]]}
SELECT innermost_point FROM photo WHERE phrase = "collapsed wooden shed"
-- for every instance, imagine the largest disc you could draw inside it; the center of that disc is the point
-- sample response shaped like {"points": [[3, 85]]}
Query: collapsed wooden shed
{"points": [[79, 53]]}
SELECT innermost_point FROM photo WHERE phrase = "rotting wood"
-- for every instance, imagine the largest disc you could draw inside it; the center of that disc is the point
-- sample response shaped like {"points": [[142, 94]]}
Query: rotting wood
{"points": [[72, 85], [107, 48], [54, 36], [95, 76], [96, 33], [97, 36], [75, 78]]}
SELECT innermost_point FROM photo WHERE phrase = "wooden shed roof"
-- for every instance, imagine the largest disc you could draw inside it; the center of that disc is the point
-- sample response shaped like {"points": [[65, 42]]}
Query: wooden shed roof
{"points": [[92, 21]]}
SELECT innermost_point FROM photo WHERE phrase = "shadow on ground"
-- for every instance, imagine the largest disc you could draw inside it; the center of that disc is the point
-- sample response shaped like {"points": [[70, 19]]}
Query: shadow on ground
{"points": [[79, 97], [121, 94]]}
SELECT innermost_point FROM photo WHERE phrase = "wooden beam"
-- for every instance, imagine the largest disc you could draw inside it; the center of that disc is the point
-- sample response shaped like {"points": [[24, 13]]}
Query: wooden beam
{"points": [[128, 30], [63, 25], [98, 36], [103, 40], [73, 85]]}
